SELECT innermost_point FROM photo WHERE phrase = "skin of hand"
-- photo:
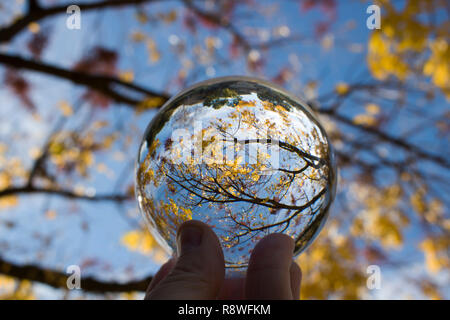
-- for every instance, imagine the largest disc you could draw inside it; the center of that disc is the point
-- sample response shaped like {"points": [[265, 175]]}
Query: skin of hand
{"points": [[198, 272]]}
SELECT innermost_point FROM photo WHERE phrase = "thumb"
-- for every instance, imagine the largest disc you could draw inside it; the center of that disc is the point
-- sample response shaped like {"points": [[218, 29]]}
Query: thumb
{"points": [[199, 270]]}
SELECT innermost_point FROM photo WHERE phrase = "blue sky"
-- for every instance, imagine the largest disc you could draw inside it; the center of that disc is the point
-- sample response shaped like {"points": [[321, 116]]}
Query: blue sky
{"points": [[70, 242]]}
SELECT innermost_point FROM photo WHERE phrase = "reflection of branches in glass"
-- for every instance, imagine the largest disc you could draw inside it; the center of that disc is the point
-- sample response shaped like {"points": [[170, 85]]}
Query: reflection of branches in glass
{"points": [[245, 189]]}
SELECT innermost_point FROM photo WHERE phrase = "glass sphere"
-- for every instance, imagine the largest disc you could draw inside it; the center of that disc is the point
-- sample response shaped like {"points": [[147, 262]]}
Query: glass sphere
{"points": [[241, 155]]}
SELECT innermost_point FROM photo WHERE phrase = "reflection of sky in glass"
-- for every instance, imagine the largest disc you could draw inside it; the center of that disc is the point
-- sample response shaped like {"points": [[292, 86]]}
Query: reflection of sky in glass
{"points": [[246, 160]]}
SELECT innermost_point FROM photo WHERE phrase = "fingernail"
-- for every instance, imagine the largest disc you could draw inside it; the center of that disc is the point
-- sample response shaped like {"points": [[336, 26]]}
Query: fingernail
{"points": [[190, 236]]}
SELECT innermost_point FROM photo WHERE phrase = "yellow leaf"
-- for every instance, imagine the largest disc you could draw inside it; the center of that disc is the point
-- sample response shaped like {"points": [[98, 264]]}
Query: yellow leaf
{"points": [[65, 108], [3, 148], [149, 103], [381, 61], [417, 201], [13, 289], [431, 290], [34, 152], [50, 214], [34, 27], [5, 180], [327, 42], [372, 108], [126, 76], [138, 240], [438, 65], [170, 17], [138, 36], [364, 119], [141, 17], [153, 52], [342, 88], [8, 201], [436, 253], [7, 283]]}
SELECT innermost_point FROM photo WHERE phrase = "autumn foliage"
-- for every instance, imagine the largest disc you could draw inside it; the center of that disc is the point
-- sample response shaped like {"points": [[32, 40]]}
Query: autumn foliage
{"points": [[75, 104]]}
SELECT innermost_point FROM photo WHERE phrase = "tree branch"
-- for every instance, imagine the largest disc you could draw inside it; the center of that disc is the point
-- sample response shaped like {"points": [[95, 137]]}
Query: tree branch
{"points": [[62, 193], [57, 279], [219, 20], [104, 84], [388, 138], [38, 13]]}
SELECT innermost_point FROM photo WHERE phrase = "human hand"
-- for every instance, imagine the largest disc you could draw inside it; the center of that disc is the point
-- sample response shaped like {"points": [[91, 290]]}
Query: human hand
{"points": [[199, 270]]}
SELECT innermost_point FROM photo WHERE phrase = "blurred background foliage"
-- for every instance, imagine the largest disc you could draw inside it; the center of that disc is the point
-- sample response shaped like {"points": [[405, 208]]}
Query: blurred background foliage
{"points": [[75, 103]]}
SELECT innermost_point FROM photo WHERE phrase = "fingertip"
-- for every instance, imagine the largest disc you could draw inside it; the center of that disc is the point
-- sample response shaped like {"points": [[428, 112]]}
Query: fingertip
{"points": [[268, 273], [191, 224], [275, 241], [194, 233], [163, 271], [199, 270]]}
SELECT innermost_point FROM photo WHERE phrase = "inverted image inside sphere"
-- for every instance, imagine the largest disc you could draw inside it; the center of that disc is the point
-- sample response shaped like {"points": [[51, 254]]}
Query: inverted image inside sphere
{"points": [[242, 156]]}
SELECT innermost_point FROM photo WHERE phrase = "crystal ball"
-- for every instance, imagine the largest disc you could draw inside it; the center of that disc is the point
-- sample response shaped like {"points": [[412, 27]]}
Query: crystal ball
{"points": [[241, 155]]}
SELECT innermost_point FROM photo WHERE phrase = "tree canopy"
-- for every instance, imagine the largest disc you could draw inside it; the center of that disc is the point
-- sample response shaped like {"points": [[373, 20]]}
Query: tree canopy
{"points": [[75, 104]]}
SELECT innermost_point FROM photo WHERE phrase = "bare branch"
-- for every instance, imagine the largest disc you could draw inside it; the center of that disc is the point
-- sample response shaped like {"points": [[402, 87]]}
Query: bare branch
{"points": [[104, 84], [388, 138], [63, 193], [57, 279], [219, 20], [38, 13]]}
